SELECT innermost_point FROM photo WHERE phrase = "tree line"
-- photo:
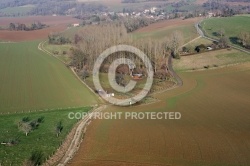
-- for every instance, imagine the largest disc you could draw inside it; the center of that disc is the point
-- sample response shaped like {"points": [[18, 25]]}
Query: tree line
{"points": [[23, 27]]}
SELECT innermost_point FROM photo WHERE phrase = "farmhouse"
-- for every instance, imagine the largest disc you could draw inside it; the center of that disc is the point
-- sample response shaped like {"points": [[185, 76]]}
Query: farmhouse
{"points": [[76, 25], [210, 14]]}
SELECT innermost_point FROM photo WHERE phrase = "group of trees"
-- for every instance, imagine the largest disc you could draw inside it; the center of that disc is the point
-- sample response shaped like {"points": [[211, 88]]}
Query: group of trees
{"points": [[224, 9], [26, 125], [133, 24], [23, 27], [92, 40], [57, 38], [244, 39]]}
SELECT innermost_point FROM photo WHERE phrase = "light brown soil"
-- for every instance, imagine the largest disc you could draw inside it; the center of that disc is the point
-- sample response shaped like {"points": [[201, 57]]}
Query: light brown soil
{"points": [[213, 130]]}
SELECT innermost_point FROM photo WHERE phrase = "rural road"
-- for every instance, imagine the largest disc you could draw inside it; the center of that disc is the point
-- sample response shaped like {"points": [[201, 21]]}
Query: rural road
{"points": [[75, 143], [201, 33]]}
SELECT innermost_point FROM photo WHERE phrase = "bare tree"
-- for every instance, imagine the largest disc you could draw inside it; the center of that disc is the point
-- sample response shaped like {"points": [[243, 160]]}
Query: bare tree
{"points": [[221, 32], [25, 127], [245, 38], [176, 42]]}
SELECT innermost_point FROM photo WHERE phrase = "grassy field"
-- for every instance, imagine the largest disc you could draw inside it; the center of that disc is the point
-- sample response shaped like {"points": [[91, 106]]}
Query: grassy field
{"points": [[213, 59], [61, 49], [213, 130], [191, 46], [43, 138], [167, 27], [69, 33], [20, 10], [32, 80], [232, 26]]}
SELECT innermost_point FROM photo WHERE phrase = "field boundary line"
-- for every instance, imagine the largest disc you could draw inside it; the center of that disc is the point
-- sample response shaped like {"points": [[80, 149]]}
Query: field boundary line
{"points": [[62, 156], [43, 110]]}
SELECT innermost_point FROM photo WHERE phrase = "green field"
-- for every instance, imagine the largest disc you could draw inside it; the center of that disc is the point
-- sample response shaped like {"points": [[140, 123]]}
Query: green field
{"points": [[163, 29], [187, 31], [43, 138], [20, 10], [232, 26], [212, 59], [32, 80]]}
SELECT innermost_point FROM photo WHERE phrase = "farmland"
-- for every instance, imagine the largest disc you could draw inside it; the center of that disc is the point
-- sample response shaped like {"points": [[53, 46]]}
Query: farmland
{"points": [[56, 24], [213, 130], [211, 59], [43, 138], [32, 80], [214, 104], [231, 25], [167, 27]]}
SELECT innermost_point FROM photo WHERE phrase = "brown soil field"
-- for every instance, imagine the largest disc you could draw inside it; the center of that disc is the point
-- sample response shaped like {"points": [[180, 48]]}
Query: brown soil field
{"points": [[18, 36], [168, 24], [57, 24], [214, 128]]}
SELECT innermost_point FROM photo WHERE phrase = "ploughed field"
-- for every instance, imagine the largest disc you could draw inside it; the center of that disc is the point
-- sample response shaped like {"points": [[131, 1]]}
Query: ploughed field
{"points": [[32, 80], [213, 130], [56, 24]]}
